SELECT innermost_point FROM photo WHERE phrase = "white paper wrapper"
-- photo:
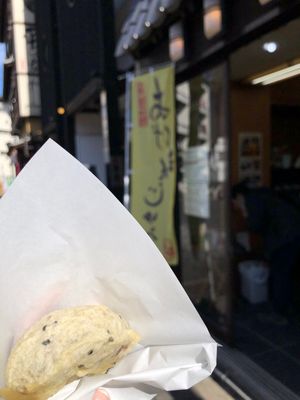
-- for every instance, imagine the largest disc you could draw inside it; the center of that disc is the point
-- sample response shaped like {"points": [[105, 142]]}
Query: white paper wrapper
{"points": [[67, 241]]}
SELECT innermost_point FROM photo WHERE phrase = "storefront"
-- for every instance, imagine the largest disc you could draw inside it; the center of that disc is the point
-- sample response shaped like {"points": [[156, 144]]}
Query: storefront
{"points": [[265, 105], [234, 123]]}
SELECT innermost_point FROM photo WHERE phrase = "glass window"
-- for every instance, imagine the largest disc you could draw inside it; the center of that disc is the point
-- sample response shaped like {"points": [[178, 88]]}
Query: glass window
{"points": [[203, 197]]}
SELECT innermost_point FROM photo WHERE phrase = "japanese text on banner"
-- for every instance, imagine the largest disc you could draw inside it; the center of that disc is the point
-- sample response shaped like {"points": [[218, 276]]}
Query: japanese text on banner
{"points": [[153, 158]]}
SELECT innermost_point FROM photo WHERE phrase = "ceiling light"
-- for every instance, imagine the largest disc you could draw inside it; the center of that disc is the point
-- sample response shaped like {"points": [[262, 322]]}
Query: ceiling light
{"points": [[276, 76], [212, 18], [60, 110], [176, 49], [176, 42], [270, 47]]}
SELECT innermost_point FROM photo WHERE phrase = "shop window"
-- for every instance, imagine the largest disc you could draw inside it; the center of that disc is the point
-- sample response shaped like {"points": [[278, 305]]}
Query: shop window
{"points": [[204, 232]]}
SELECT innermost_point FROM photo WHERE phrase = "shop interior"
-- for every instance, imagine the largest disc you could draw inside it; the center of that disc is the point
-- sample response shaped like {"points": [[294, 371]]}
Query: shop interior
{"points": [[265, 153]]}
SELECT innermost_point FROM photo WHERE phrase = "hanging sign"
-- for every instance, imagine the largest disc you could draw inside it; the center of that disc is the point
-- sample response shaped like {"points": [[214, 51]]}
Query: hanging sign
{"points": [[153, 158]]}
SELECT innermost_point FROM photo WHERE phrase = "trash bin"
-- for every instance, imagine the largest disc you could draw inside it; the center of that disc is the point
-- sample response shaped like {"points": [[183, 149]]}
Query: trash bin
{"points": [[254, 281]]}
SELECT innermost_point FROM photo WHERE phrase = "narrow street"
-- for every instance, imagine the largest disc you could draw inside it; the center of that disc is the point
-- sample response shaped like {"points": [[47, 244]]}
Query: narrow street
{"points": [[150, 165]]}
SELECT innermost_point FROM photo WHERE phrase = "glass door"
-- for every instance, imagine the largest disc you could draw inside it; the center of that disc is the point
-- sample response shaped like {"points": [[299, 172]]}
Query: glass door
{"points": [[203, 186]]}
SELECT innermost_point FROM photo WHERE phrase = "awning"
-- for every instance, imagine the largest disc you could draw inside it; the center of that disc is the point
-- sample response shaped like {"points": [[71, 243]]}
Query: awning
{"points": [[147, 16], [141, 31], [169, 6]]}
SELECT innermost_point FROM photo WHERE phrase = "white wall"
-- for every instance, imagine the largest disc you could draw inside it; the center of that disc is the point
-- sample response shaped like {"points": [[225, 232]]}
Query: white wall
{"points": [[89, 142]]}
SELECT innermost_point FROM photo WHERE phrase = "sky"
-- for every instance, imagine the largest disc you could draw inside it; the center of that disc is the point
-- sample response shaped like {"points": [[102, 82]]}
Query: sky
{"points": [[2, 55]]}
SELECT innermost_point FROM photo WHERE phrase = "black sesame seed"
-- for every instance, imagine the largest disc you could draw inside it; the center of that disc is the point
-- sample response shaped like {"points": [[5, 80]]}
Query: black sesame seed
{"points": [[81, 366], [108, 331], [44, 327], [46, 342], [110, 339], [90, 352], [55, 322]]}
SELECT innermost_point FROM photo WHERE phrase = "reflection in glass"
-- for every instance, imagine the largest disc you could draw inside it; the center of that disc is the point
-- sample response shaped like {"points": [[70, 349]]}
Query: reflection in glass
{"points": [[203, 154]]}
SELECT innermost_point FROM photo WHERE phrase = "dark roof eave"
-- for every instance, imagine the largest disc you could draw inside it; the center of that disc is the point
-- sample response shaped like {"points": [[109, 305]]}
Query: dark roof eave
{"points": [[3, 5], [156, 33]]}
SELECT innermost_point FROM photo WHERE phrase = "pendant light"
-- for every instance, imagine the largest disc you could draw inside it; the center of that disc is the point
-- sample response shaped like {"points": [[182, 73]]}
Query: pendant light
{"points": [[212, 18]]}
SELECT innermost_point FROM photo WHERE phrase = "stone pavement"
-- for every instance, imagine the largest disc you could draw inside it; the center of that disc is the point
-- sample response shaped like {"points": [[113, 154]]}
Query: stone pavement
{"points": [[272, 346]]}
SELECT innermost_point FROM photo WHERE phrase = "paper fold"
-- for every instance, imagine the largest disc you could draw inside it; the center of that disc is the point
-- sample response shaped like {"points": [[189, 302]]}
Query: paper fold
{"points": [[67, 241]]}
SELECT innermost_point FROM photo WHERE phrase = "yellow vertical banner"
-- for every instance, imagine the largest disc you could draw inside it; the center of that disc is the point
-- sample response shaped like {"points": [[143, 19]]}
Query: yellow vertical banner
{"points": [[153, 158]]}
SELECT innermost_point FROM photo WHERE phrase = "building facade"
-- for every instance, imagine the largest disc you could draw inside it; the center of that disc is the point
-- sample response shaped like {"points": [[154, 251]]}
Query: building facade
{"points": [[79, 88], [61, 80], [21, 70], [237, 74]]}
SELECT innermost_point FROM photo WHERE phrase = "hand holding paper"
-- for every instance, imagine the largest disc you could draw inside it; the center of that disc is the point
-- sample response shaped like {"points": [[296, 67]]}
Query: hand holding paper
{"points": [[66, 242]]}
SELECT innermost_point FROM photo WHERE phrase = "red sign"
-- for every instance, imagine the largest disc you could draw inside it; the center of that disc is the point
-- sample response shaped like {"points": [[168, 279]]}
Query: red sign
{"points": [[142, 105]]}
